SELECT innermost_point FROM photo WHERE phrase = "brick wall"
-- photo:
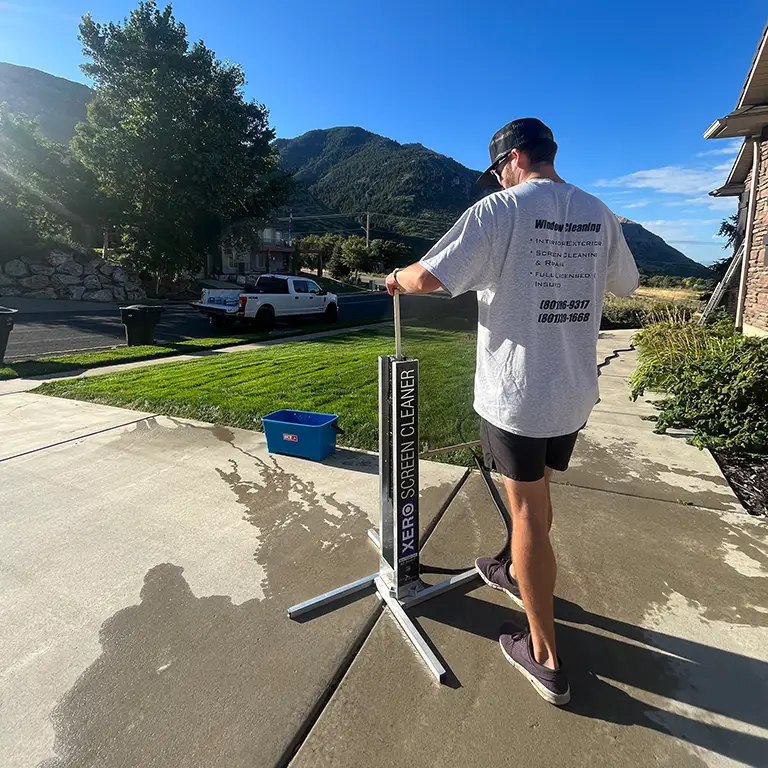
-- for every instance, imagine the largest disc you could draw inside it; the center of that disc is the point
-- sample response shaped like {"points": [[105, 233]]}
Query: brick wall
{"points": [[756, 300]]}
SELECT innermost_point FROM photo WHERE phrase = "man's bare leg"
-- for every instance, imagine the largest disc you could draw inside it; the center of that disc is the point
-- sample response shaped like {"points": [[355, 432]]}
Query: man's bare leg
{"points": [[547, 479], [534, 559]]}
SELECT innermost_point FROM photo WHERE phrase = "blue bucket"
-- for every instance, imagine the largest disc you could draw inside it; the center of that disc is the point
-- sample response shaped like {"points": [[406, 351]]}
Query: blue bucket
{"points": [[301, 433]]}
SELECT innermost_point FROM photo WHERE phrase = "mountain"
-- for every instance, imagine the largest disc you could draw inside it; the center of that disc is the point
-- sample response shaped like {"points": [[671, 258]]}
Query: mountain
{"points": [[308, 216], [411, 189], [56, 103], [414, 194], [418, 192], [656, 257]]}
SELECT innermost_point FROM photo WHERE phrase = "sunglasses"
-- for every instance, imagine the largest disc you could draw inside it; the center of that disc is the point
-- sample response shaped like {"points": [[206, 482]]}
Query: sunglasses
{"points": [[495, 167]]}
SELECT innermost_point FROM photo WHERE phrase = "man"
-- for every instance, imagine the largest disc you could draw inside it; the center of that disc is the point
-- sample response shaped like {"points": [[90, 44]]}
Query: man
{"points": [[540, 254]]}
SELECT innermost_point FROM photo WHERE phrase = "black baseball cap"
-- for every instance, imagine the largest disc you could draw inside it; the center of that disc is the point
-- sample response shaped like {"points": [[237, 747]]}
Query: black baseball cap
{"points": [[512, 136]]}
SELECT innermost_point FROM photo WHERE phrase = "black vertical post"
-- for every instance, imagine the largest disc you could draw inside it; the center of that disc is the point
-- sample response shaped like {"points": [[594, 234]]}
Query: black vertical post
{"points": [[386, 522], [405, 471]]}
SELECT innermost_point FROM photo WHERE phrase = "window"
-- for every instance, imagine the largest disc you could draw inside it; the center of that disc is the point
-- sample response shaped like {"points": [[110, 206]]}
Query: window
{"points": [[269, 236], [271, 285], [233, 260], [301, 286], [314, 287]]}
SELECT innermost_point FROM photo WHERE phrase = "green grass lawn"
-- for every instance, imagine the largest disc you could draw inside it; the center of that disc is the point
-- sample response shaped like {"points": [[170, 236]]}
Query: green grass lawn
{"points": [[72, 362], [79, 360], [333, 375]]}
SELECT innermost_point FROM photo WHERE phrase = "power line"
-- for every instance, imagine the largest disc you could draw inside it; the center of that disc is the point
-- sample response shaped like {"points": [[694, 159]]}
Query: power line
{"points": [[409, 218], [381, 214], [342, 231], [324, 216]]}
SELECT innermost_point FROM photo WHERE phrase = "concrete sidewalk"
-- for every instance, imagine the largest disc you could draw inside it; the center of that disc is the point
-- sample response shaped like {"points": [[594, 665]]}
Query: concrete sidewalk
{"points": [[147, 563]]}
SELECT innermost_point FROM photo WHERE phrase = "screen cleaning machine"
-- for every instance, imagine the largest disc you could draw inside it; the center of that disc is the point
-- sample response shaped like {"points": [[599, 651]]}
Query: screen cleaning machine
{"points": [[398, 580]]}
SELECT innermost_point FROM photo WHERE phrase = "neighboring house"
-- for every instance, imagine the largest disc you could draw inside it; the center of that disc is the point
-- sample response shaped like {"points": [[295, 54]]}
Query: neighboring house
{"points": [[246, 250], [748, 180]]}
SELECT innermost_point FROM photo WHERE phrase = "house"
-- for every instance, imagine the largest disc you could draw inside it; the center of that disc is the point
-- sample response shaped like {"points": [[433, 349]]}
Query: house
{"points": [[748, 180], [247, 250]]}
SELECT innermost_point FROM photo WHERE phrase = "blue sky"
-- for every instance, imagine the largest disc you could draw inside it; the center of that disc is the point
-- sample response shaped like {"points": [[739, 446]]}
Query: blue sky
{"points": [[628, 88]]}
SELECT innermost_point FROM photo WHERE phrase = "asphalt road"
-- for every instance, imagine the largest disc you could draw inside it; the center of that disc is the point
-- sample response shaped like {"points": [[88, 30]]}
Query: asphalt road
{"points": [[49, 333]]}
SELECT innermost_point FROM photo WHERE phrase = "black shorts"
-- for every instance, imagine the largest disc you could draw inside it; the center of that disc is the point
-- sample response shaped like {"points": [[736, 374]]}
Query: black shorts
{"points": [[524, 458]]}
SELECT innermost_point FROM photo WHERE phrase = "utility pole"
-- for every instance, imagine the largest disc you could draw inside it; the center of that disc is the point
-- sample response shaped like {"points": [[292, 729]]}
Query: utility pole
{"points": [[367, 229]]}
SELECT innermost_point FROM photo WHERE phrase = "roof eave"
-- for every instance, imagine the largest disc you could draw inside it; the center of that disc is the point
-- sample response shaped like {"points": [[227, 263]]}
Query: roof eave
{"points": [[713, 132], [740, 169], [740, 124], [728, 190], [757, 62]]}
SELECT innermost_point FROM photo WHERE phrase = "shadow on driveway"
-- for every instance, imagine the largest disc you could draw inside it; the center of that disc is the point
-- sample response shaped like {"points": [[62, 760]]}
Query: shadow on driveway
{"points": [[661, 664]]}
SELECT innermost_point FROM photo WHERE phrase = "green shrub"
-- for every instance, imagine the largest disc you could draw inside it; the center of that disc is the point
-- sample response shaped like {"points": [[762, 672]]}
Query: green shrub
{"points": [[716, 382], [667, 347], [672, 281], [338, 267], [723, 320], [637, 312]]}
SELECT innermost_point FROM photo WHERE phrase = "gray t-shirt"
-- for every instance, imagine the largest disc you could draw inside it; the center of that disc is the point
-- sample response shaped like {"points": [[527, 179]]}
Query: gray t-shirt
{"points": [[540, 256]]}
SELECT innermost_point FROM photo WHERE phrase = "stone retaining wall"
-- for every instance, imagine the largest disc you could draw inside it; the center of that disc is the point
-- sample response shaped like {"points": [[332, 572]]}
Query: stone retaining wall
{"points": [[64, 275]]}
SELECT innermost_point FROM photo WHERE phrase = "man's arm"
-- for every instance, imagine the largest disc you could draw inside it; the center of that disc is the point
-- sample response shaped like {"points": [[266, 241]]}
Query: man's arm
{"points": [[462, 260], [622, 277], [412, 279]]}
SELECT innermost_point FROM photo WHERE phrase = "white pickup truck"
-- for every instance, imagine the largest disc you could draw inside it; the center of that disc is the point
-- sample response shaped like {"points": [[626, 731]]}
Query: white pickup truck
{"points": [[272, 296]]}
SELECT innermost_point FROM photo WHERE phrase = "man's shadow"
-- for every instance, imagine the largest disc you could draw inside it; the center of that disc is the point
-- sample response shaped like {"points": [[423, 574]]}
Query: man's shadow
{"points": [[694, 675]]}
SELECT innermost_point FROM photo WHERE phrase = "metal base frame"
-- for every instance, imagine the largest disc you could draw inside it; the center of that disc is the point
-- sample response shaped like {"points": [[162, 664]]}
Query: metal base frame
{"points": [[398, 580], [397, 607]]}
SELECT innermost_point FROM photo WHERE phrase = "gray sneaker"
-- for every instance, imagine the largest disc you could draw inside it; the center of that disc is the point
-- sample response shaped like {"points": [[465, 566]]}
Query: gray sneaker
{"points": [[495, 573], [550, 684]]}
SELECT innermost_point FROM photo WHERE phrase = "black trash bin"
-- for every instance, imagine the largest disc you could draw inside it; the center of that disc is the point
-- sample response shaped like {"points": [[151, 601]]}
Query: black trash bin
{"points": [[140, 321], [6, 325]]}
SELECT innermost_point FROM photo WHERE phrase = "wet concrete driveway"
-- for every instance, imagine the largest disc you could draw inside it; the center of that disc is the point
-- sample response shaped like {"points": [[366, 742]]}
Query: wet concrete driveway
{"points": [[145, 571], [146, 564]]}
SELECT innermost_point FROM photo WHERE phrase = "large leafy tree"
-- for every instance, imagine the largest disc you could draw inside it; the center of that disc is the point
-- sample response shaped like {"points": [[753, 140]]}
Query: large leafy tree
{"points": [[345, 255], [337, 264], [172, 140], [389, 253], [45, 192], [321, 247], [355, 253]]}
